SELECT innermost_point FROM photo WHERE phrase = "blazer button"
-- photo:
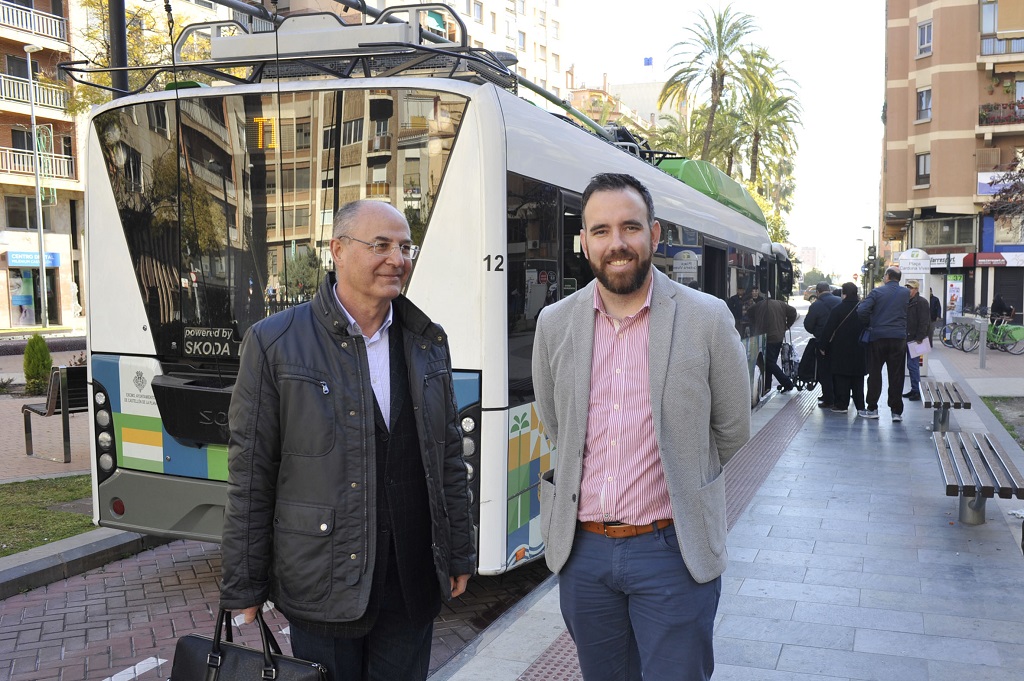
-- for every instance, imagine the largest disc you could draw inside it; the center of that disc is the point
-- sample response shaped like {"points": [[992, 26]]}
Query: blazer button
{"points": [[353, 556], [574, 498]]}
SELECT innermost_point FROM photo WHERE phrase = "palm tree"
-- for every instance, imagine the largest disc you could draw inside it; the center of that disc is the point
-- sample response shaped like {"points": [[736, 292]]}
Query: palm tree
{"points": [[769, 109], [708, 56]]}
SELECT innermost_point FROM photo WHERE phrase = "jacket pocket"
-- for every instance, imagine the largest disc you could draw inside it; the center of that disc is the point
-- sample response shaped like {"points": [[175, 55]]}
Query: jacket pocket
{"points": [[712, 506], [303, 556], [437, 399], [307, 414]]}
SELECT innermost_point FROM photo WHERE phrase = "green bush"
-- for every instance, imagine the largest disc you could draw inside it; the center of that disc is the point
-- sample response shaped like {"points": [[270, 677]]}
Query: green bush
{"points": [[37, 365]]}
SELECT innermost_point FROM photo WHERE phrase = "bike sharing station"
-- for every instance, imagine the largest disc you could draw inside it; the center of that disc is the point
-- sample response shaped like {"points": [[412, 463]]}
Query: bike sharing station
{"points": [[916, 264]]}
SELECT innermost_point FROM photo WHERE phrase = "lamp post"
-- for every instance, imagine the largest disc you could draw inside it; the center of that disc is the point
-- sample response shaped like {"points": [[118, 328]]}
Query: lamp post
{"points": [[45, 312], [863, 262]]}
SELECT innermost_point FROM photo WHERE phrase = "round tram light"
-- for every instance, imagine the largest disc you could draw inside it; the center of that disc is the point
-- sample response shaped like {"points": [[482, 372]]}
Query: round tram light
{"points": [[468, 425], [470, 471], [468, 446], [102, 418], [104, 440], [117, 507], [101, 398], [106, 463]]}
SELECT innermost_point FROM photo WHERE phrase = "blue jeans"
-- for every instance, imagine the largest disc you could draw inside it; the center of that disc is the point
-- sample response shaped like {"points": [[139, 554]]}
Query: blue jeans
{"points": [[634, 611], [914, 369]]}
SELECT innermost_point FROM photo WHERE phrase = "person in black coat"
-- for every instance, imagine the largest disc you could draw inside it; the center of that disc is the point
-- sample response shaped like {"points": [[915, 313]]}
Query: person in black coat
{"points": [[814, 323], [841, 342]]}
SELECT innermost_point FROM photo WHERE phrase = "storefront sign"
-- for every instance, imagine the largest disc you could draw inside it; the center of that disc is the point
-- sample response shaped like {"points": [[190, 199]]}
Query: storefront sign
{"points": [[938, 260], [915, 262], [31, 259]]}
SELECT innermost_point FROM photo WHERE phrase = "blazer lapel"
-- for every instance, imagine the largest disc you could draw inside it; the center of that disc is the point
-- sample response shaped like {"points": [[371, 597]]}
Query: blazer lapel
{"points": [[660, 342], [582, 326]]}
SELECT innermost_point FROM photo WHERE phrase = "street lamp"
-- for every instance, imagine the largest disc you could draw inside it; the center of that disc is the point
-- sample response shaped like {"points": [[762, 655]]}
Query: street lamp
{"points": [[863, 264], [45, 312]]}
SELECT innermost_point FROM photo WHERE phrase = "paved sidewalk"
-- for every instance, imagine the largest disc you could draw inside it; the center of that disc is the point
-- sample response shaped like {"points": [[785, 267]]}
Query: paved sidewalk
{"points": [[848, 563]]}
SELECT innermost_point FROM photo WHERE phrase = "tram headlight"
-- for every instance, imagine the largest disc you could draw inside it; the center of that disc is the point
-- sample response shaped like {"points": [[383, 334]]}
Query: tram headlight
{"points": [[104, 440], [101, 398], [105, 462], [102, 418], [468, 446], [468, 425], [470, 471]]}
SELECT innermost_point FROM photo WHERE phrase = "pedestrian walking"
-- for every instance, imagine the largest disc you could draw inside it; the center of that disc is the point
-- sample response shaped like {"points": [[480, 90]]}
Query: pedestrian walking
{"points": [[845, 351], [773, 318], [919, 327], [348, 503], [884, 312], [814, 324], [633, 515]]}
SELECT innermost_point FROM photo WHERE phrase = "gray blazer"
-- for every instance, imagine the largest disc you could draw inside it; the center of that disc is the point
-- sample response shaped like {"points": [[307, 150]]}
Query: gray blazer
{"points": [[700, 395]]}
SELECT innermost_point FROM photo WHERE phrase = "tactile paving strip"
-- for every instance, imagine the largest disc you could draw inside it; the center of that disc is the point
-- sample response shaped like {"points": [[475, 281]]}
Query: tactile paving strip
{"points": [[558, 663]]}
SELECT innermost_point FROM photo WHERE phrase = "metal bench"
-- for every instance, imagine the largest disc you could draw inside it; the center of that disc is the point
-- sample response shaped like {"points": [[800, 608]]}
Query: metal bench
{"points": [[942, 397], [975, 468], [68, 393]]}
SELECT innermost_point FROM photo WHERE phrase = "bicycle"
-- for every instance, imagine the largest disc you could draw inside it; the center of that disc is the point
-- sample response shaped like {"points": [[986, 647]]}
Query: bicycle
{"points": [[953, 334], [1001, 335]]}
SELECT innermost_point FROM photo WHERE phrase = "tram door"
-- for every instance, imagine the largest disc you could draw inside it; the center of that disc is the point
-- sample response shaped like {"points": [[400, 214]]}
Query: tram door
{"points": [[716, 271]]}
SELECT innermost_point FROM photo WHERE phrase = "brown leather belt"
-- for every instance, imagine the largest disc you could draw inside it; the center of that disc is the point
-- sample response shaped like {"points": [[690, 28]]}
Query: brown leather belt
{"points": [[619, 530]]}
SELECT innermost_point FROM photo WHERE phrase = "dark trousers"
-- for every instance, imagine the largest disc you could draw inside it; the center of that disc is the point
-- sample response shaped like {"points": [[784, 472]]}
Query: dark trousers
{"points": [[844, 387], [914, 370], [824, 370], [891, 352], [771, 365], [396, 649], [635, 612]]}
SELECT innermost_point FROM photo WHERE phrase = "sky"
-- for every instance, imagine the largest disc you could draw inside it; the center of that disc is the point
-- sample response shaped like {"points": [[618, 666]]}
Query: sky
{"points": [[836, 55]]}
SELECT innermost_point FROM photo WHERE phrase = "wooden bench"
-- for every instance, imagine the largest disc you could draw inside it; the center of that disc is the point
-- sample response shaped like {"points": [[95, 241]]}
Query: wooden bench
{"points": [[942, 397], [975, 468], [68, 393]]}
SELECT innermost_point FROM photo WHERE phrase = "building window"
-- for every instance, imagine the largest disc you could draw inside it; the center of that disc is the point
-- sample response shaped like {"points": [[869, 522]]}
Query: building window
{"points": [[542, 53], [924, 104], [21, 212], [21, 139], [521, 41], [989, 17], [478, 12], [542, 17], [352, 131], [924, 38], [18, 67], [157, 114], [494, 22], [924, 169], [303, 135], [554, 30], [946, 232], [556, 62], [557, 92], [521, 6]]}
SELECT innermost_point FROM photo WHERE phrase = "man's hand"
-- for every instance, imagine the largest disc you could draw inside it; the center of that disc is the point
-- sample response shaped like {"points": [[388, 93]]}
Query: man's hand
{"points": [[250, 614], [459, 585]]}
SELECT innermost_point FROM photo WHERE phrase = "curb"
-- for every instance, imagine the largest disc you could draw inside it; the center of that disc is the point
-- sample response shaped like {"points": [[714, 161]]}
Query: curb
{"points": [[65, 558]]}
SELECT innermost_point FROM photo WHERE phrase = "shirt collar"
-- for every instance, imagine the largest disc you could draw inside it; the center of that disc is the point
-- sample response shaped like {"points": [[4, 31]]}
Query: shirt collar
{"points": [[353, 326], [599, 304]]}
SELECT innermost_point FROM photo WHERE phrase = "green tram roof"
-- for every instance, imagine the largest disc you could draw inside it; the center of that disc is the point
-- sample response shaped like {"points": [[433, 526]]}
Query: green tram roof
{"points": [[712, 182]]}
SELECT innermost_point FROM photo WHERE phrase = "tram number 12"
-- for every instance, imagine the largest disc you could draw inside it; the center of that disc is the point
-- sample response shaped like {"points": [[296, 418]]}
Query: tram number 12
{"points": [[499, 263]]}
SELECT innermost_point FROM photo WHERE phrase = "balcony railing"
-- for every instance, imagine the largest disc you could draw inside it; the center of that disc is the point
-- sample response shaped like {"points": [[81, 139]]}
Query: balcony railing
{"points": [[1005, 113], [378, 188], [21, 162], [33, 21], [14, 89], [994, 46]]}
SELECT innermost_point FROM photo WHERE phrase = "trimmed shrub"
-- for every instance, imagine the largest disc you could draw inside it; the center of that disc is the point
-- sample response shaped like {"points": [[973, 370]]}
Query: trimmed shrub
{"points": [[37, 364]]}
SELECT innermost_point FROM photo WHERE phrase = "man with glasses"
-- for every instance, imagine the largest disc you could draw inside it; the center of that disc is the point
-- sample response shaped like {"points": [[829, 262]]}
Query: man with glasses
{"points": [[348, 502]]}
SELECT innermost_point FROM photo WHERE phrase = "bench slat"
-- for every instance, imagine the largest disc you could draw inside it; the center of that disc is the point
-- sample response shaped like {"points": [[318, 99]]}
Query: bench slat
{"points": [[983, 480], [949, 476], [963, 472], [928, 394], [1002, 463]]}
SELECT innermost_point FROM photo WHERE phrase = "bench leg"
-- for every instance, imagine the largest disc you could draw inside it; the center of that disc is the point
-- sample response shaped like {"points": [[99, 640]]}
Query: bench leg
{"points": [[972, 510], [28, 434], [940, 420], [66, 423]]}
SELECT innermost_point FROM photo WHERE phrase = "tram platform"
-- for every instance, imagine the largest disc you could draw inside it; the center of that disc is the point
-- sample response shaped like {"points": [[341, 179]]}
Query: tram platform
{"points": [[846, 560]]}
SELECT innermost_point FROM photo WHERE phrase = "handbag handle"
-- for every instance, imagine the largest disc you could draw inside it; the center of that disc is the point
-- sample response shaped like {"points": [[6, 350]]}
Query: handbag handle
{"points": [[270, 644]]}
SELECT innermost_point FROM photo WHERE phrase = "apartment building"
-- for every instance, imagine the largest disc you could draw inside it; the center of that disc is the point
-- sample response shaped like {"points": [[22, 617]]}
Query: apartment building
{"points": [[34, 35], [953, 122]]}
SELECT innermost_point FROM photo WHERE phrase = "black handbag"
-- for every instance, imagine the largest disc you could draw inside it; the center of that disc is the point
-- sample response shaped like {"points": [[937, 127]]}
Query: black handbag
{"points": [[201, 658]]}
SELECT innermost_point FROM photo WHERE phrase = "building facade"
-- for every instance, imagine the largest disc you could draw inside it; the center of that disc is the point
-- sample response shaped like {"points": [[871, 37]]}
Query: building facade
{"points": [[953, 122], [34, 35]]}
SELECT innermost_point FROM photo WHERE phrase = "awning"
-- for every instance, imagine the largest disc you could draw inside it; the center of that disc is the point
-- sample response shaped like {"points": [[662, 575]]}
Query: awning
{"points": [[435, 22], [984, 260]]}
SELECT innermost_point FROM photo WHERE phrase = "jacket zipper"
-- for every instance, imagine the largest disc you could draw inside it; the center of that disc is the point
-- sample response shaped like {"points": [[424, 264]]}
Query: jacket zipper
{"points": [[323, 384]]}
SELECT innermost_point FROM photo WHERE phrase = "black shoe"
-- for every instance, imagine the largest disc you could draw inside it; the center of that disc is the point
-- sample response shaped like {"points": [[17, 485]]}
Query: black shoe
{"points": [[786, 389], [913, 396], [824, 405], [909, 393]]}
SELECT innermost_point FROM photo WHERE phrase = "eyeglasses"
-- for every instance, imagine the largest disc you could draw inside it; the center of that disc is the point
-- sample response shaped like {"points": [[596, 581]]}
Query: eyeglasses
{"points": [[385, 248]]}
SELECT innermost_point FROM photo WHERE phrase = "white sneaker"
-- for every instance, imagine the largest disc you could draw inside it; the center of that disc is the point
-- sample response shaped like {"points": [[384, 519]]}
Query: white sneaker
{"points": [[896, 418], [868, 413]]}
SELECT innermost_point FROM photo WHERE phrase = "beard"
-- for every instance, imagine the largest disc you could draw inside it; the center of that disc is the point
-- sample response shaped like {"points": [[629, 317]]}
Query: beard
{"points": [[623, 283]]}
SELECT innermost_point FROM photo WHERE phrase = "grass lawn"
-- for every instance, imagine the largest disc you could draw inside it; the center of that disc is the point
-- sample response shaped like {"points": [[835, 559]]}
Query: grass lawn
{"points": [[25, 519]]}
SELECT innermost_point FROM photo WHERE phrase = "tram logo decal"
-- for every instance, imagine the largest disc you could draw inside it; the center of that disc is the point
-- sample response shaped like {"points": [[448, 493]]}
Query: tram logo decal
{"points": [[139, 381], [529, 456]]}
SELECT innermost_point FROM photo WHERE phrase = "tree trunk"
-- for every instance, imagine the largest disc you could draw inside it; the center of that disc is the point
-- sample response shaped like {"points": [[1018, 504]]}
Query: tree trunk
{"points": [[717, 84], [754, 148]]}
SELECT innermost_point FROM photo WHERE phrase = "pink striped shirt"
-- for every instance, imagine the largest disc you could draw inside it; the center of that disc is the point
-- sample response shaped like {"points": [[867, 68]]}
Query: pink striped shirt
{"points": [[623, 480]]}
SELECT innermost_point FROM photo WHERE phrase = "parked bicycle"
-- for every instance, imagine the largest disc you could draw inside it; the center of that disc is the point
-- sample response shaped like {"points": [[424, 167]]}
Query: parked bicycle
{"points": [[1001, 335]]}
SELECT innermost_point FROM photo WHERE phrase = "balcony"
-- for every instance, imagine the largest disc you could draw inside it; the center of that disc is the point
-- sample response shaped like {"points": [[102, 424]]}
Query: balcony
{"points": [[378, 190], [14, 89], [996, 46], [33, 21], [1003, 113], [21, 162]]}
